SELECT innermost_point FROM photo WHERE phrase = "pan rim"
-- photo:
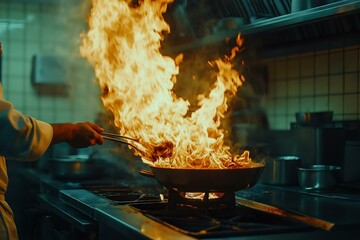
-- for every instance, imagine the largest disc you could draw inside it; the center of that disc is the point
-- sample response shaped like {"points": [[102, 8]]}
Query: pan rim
{"points": [[258, 165]]}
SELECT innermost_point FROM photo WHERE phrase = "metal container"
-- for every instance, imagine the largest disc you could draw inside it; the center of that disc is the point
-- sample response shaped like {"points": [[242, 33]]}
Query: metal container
{"points": [[74, 167], [314, 119], [319, 145], [281, 170], [351, 165], [319, 177]]}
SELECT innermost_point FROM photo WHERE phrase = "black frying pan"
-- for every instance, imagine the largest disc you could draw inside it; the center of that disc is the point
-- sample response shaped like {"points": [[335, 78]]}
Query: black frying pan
{"points": [[206, 180]]}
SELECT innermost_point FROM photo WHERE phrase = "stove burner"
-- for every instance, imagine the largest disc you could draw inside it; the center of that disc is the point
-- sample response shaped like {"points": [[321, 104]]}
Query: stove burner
{"points": [[202, 218], [238, 221], [206, 202]]}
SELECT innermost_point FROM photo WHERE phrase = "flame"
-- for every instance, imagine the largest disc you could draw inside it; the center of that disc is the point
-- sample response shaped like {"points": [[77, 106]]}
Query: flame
{"points": [[201, 195], [123, 44]]}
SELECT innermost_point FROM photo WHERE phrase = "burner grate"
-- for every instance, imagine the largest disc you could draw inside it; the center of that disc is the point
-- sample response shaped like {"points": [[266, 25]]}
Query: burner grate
{"points": [[202, 223], [224, 201]]}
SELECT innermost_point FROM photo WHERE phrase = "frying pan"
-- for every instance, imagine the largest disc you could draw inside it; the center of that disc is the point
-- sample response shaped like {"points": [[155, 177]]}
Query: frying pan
{"points": [[205, 180]]}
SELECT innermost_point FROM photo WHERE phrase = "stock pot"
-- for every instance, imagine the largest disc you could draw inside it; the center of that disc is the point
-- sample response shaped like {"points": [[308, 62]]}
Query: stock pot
{"points": [[319, 177], [75, 167], [281, 170]]}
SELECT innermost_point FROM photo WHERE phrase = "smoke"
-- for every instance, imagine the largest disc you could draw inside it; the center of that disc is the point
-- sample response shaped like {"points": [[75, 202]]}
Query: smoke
{"points": [[197, 76]]}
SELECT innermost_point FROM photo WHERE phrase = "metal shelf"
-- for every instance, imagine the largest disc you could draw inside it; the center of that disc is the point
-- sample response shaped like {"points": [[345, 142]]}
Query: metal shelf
{"points": [[276, 23]]}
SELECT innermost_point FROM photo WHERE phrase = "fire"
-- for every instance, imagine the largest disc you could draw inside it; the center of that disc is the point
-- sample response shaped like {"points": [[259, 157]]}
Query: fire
{"points": [[201, 195], [123, 44]]}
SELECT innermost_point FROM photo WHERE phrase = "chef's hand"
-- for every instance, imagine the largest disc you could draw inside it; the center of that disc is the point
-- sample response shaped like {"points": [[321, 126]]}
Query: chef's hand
{"points": [[78, 135], [85, 134]]}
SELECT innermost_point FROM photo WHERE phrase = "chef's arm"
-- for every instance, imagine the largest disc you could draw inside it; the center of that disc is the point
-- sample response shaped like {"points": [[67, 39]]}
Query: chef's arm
{"points": [[27, 138], [78, 135], [22, 136]]}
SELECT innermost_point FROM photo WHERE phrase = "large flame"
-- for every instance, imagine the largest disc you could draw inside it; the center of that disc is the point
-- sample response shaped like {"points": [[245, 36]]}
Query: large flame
{"points": [[123, 44]]}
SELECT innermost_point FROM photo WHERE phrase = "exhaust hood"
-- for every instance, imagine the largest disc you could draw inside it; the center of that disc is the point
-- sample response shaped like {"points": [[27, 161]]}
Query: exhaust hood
{"points": [[282, 21]]}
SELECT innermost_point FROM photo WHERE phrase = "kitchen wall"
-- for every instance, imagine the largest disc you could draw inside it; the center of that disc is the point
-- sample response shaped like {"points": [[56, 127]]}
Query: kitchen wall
{"points": [[33, 28], [314, 81]]}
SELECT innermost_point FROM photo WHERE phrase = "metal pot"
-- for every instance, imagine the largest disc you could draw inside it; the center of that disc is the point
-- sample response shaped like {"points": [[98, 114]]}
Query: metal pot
{"points": [[281, 170], [74, 167], [314, 119], [319, 177]]}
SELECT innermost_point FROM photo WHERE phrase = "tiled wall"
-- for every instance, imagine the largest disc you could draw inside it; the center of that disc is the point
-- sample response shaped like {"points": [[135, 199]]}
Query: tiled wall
{"points": [[31, 28], [314, 81]]}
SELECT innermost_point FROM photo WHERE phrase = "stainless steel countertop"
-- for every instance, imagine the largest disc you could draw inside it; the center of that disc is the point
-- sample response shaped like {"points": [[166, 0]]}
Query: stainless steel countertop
{"points": [[341, 209], [343, 213]]}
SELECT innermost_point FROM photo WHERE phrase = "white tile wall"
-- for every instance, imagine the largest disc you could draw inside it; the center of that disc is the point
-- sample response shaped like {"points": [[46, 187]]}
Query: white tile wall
{"points": [[316, 81], [293, 87], [321, 64], [351, 82], [321, 104], [336, 104], [322, 85], [307, 86], [306, 104], [29, 28], [336, 84]]}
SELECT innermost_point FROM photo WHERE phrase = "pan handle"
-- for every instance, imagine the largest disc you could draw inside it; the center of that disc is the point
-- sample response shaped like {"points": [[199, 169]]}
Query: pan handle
{"points": [[147, 173]]}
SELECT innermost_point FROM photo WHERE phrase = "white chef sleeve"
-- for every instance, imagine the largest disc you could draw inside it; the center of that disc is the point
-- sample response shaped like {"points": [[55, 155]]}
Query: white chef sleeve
{"points": [[22, 136]]}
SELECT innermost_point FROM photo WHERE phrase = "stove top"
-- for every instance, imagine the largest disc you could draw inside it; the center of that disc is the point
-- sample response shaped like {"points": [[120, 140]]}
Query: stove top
{"points": [[141, 211], [122, 194], [216, 223], [122, 207]]}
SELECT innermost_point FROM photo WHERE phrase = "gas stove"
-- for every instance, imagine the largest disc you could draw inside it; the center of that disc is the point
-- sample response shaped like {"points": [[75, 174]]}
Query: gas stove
{"points": [[200, 223], [109, 209], [121, 212]]}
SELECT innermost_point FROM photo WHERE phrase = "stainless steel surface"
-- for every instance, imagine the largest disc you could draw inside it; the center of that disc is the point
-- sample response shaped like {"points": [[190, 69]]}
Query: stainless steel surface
{"points": [[318, 223], [321, 207], [131, 224], [66, 212], [319, 177], [319, 145], [82, 200], [124, 222], [284, 21], [351, 166], [336, 194], [299, 5], [128, 141], [118, 136], [49, 70], [281, 170], [128, 222]]}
